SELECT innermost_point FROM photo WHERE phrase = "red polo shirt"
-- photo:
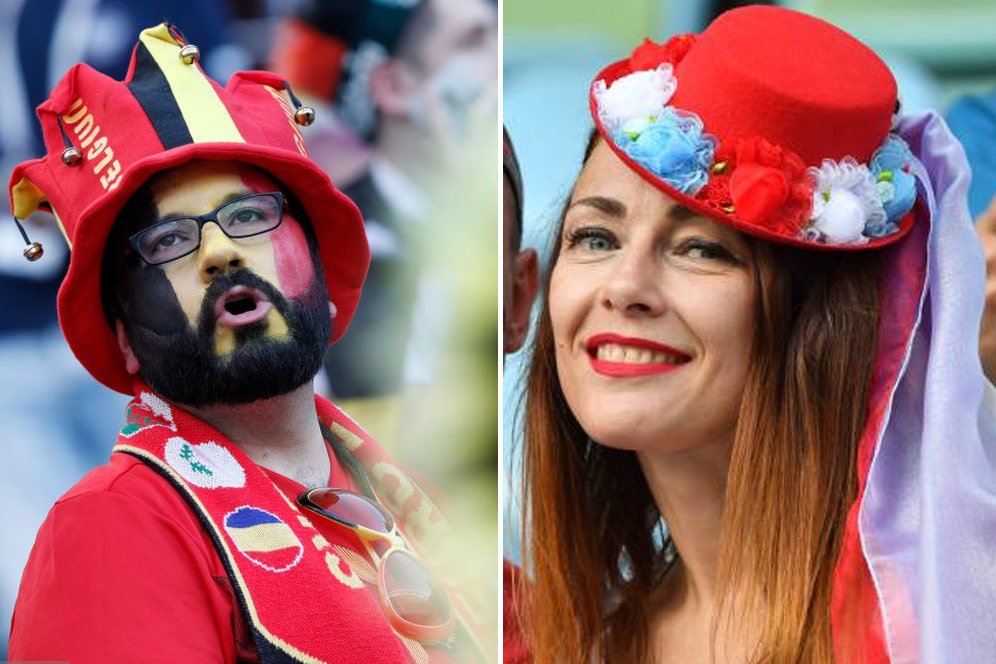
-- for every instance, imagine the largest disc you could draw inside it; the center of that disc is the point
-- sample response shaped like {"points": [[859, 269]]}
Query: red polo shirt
{"points": [[122, 571]]}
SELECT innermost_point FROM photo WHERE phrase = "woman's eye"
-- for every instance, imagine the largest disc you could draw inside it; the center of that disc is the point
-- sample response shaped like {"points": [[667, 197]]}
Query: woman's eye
{"points": [[593, 239], [705, 250]]}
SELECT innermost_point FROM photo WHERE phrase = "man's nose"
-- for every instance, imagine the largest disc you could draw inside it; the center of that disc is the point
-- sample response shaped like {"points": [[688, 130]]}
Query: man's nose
{"points": [[218, 253]]}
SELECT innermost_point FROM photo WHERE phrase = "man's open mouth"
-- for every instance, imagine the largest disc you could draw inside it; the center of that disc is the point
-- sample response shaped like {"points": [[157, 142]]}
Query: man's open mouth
{"points": [[241, 305]]}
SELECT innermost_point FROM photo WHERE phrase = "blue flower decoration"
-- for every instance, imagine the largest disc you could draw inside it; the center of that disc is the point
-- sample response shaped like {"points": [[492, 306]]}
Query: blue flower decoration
{"points": [[876, 229], [890, 165], [673, 148]]}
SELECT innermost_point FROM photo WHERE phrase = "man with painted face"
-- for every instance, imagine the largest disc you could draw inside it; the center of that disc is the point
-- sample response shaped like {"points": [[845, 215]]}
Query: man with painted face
{"points": [[240, 518], [416, 80], [231, 313]]}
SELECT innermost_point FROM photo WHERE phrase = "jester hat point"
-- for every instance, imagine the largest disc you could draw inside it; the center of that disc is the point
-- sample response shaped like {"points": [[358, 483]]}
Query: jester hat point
{"points": [[105, 138], [770, 121]]}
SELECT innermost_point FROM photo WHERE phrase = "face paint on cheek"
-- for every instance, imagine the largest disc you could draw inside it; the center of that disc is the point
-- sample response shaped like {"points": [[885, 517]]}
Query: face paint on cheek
{"points": [[151, 302], [291, 254], [292, 258]]}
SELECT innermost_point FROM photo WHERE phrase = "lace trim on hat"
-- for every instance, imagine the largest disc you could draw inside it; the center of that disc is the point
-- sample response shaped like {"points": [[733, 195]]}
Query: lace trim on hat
{"points": [[757, 182]]}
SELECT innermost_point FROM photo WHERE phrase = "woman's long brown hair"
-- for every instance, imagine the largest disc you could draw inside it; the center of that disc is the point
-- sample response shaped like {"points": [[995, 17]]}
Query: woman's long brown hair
{"points": [[593, 545]]}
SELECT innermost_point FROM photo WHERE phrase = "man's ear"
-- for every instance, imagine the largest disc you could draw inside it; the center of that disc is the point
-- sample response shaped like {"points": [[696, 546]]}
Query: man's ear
{"points": [[392, 84], [131, 362], [525, 280]]}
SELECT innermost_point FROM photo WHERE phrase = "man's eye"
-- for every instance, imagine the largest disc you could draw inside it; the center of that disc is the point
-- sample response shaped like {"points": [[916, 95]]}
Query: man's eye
{"points": [[593, 239], [168, 240], [165, 240], [247, 215]]}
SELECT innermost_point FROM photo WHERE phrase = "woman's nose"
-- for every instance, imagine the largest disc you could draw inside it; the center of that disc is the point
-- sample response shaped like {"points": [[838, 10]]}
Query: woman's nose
{"points": [[635, 286], [218, 253]]}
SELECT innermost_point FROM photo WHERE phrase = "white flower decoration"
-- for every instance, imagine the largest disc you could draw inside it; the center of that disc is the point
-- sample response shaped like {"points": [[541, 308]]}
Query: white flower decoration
{"points": [[846, 198], [637, 96]]}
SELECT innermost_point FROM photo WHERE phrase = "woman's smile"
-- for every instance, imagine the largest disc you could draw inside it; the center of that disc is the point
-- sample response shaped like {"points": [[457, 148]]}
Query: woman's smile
{"points": [[621, 356]]}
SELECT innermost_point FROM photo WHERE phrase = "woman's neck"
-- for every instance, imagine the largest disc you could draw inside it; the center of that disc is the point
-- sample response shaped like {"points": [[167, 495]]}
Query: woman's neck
{"points": [[281, 433], [689, 488]]}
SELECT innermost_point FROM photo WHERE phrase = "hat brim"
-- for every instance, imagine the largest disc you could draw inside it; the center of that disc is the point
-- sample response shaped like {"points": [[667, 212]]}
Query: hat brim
{"points": [[337, 224], [621, 68]]}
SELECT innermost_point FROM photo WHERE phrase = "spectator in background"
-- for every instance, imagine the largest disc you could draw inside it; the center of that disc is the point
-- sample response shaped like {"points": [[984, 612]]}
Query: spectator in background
{"points": [[519, 269], [414, 80], [973, 121], [519, 279]]}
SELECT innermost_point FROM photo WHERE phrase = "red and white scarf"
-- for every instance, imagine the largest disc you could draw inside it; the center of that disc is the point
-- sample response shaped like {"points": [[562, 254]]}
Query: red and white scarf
{"points": [[296, 587]]}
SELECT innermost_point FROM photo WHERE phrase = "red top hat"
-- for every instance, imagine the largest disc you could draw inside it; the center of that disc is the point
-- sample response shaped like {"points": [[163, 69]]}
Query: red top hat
{"points": [[105, 138], [771, 121]]}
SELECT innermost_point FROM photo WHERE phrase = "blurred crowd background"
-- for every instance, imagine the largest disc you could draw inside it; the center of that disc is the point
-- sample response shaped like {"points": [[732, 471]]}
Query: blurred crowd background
{"points": [[943, 55], [408, 97]]}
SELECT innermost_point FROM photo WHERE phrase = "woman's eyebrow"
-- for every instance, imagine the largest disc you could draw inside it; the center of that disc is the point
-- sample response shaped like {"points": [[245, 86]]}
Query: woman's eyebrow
{"points": [[615, 208], [681, 213], [609, 206]]}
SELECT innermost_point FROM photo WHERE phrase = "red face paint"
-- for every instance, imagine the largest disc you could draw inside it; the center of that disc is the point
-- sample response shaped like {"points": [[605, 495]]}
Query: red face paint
{"points": [[291, 255]]}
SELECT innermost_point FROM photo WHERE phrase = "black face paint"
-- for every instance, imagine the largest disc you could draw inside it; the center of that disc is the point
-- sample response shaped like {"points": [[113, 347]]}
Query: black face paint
{"points": [[149, 299], [181, 363]]}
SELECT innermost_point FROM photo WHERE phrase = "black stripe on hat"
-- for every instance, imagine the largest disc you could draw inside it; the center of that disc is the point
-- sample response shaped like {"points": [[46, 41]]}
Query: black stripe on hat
{"points": [[151, 89]]}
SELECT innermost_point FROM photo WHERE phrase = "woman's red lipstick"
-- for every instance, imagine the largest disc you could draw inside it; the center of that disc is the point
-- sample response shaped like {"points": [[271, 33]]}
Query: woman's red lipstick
{"points": [[646, 366]]}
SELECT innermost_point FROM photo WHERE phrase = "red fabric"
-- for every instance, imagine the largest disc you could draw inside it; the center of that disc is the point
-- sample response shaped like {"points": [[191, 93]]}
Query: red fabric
{"points": [[825, 117], [515, 650], [859, 634], [122, 571], [799, 118], [650, 55], [310, 59], [287, 575]]}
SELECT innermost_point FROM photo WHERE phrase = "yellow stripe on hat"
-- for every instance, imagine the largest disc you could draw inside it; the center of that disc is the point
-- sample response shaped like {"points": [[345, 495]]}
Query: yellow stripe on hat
{"points": [[27, 198], [206, 117]]}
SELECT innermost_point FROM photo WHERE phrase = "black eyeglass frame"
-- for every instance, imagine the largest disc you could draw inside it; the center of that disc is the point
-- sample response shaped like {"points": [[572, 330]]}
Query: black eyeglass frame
{"points": [[203, 219]]}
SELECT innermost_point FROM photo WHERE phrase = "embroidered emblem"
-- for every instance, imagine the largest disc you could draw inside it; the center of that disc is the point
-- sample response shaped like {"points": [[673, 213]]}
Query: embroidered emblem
{"points": [[263, 538], [207, 465], [145, 412]]}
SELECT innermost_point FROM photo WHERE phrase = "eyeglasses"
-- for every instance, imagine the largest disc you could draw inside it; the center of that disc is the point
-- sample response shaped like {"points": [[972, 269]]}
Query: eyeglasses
{"points": [[415, 603], [175, 238]]}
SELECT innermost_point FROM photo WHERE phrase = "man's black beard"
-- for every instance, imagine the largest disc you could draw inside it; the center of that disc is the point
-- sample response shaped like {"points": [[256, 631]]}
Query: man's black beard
{"points": [[181, 364]]}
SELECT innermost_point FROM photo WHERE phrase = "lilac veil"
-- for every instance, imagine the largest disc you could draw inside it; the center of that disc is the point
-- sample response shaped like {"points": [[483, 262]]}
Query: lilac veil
{"points": [[927, 521]]}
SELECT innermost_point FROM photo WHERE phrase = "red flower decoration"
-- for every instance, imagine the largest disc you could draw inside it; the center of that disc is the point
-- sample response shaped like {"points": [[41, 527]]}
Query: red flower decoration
{"points": [[650, 55], [758, 192], [768, 186]]}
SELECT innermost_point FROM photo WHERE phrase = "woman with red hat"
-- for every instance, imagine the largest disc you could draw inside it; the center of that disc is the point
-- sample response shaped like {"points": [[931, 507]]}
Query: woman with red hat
{"points": [[754, 426]]}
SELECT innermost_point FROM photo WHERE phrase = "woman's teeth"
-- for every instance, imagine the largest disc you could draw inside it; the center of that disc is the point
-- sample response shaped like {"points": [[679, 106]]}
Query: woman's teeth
{"points": [[634, 355]]}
